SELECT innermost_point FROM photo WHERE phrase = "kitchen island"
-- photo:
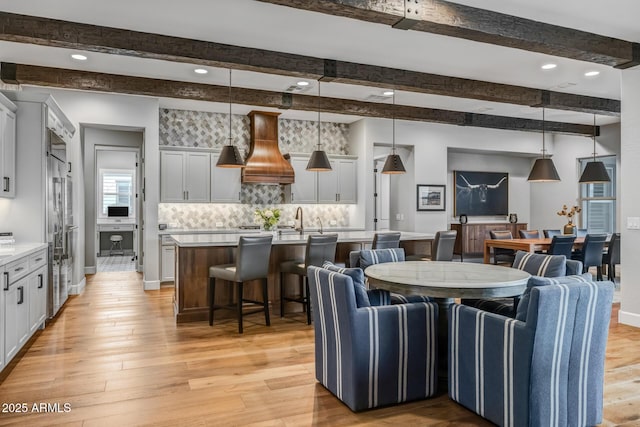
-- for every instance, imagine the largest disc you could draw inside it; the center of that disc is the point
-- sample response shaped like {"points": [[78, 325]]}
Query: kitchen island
{"points": [[195, 253]]}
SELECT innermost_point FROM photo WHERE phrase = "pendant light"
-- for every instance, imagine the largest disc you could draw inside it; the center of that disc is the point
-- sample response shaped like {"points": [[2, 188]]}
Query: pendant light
{"points": [[594, 172], [319, 162], [230, 155], [393, 164], [543, 169]]}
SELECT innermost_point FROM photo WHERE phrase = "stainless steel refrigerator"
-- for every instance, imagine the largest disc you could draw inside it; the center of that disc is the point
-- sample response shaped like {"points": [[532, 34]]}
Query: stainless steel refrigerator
{"points": [[60, 225]]}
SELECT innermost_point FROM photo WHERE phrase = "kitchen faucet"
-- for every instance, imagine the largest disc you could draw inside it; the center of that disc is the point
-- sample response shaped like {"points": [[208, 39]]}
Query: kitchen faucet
{"points": [[299, 225], [320, 222]]}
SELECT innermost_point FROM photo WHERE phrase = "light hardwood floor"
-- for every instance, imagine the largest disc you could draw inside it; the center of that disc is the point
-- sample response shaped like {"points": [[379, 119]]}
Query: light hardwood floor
{"points": [[117, 358]]}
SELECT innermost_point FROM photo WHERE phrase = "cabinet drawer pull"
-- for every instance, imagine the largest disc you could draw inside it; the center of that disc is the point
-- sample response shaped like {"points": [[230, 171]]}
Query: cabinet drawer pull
{"points": [[38, 259], [6, 183], [18, 269], [40, 281], [21, 290], [6, 280]]}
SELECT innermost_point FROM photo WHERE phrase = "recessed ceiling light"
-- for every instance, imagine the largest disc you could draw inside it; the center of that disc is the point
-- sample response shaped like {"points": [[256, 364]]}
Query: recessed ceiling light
{"points": [[549, 66], [79, 57], [200, 71], [387, 93], [302, 83], [591, 73]]}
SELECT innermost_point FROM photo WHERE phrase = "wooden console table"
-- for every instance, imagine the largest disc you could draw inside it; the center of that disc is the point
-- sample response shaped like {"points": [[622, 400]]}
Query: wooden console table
{"points": [[471, 236]]}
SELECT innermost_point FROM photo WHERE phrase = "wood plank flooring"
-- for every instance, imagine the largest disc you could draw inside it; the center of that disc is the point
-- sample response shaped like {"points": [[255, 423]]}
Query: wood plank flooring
{"points": [[117, 358]]}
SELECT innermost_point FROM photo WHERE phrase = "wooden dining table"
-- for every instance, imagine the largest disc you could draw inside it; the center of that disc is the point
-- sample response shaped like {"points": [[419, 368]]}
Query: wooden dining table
{"points": [[528, 245]]}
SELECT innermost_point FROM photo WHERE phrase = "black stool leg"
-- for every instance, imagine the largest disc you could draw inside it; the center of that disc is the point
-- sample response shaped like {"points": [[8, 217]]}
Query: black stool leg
{"points": [[240, 285], [281, 294], [265, 296], [212, 294], [308, 300], [301, 290]]}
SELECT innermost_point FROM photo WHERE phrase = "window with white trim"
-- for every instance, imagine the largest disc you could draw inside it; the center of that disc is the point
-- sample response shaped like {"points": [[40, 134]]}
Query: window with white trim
{"points": [[116, 189], [598, 200]]}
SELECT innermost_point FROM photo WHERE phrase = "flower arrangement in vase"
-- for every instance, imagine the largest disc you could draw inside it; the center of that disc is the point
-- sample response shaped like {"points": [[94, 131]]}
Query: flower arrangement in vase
{"points": [[570, 228], [268, 218]]}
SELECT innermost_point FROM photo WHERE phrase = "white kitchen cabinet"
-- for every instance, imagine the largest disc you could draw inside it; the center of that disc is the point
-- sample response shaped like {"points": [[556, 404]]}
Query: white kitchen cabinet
{"points": [[16, 317], [37, 299], [305, 187], [7, 148], [225, 182], [184, 176], [167, 263], [339, 184], [3, 320]]}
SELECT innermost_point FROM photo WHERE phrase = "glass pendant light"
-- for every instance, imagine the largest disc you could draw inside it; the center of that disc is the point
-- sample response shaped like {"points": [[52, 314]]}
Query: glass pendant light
{"points": [[543, 169], [594, 172], [230, 155], [319, 162], [393, 164]]}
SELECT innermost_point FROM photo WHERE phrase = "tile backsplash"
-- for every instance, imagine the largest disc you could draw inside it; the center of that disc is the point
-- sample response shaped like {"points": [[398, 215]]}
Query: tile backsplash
{"points": [[201, 129]]}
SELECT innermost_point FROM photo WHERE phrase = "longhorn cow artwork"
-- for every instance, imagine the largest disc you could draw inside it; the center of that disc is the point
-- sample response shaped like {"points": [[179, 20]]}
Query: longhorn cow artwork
{"points": [[481, 193]]}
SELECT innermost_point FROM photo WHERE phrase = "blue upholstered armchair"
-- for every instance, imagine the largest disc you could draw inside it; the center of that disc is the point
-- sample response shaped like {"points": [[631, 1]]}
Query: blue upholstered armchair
{"points": [[546, 369], [371, 356]]}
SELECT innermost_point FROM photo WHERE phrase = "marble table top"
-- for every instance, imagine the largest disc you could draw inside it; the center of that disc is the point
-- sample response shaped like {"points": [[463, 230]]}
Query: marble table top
{"points": [[448, 279]]}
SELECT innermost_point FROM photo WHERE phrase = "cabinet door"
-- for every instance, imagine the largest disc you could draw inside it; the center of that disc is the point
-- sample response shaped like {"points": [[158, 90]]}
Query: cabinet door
{"points": [[8, 144], [172, 176], [305, 188], [3, 320], [225, 183], [328, 184], [347, 179], [37, 299], [197, 177], [22, 317], [16, 317], [167, 273]]}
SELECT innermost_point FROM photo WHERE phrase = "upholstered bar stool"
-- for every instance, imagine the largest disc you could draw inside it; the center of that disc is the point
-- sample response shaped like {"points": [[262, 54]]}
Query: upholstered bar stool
{"points": [[116, 244], [385, 240], [252, 263], [320, 248]]}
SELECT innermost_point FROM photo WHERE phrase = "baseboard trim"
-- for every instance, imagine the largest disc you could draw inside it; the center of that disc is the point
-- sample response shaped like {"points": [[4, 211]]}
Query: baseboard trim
{"points": [[631, 319], [90, 270], [151, 285], [77, 289]]}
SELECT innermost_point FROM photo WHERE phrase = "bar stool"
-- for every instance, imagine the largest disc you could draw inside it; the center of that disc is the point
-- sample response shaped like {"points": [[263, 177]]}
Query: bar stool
{"points": [[386, 240], [116, 240], [252, 263], [320, 248], [443, 245]]}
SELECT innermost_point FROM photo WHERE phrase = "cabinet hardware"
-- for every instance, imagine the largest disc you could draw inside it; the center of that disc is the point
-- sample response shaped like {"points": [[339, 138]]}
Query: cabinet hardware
{"points": [[6, 280], [40, 281], [187, 194], [38, 259], [21, 290], [6, 183], [18, 269], [292, 198]]}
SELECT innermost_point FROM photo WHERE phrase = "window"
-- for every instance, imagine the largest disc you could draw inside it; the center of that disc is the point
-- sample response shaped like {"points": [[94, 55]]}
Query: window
{"points": [[117, 189], [598, 201]]}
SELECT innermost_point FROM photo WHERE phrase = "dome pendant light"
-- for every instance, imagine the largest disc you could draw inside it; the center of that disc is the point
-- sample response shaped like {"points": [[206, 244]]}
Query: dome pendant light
{"points": [[594, 172], [543, 169], [393, 165], [319, 162], [230, 155]]}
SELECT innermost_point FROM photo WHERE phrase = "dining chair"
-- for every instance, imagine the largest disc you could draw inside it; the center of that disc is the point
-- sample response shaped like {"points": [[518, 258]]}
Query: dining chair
{"points": [[252, 263], [550, 233], [561, 245], [386, 240], [371, 356], [319, 248], [612, 257], [529, 234], [506, 254], [442, 247], [591, 253]]}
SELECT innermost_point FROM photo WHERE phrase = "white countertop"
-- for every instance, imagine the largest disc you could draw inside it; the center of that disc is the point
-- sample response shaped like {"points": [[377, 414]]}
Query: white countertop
{"points": [[9, 254], [290, 238]]}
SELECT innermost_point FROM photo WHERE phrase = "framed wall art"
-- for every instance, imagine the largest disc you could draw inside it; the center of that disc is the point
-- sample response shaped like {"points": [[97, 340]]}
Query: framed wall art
{"points": [[430, 197], [481, 193]]}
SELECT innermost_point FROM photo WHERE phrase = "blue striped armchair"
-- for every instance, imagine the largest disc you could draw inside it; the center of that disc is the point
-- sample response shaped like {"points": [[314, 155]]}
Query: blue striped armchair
{"points": [[371, 356], [545, 371]]}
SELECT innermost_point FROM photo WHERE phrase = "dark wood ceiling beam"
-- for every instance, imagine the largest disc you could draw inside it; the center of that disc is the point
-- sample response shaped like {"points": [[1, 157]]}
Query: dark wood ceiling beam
{"points": [[485, 26], [85, 80], [55, 33]]}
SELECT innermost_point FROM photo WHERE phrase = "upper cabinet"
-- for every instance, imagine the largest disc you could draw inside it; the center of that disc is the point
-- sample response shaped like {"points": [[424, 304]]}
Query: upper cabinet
{"points": [[7, 148], [225, 182], [184, 176], [332, 187], [305, 187]]}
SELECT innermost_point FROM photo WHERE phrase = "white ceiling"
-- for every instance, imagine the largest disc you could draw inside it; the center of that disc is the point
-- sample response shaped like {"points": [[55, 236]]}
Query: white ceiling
{"points": [[255, 24]]}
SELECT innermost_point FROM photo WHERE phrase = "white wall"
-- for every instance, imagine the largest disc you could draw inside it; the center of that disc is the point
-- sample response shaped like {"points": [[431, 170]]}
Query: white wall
{"points": [[629, 199], [93, 108]]}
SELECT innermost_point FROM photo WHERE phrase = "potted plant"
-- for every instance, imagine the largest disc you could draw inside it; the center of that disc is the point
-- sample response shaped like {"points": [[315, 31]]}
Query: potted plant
{"points": [[570, 227]]}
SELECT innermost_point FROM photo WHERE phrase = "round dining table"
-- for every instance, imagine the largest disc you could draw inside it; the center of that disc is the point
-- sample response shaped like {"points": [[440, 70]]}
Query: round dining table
{"points": [[444, 281]]}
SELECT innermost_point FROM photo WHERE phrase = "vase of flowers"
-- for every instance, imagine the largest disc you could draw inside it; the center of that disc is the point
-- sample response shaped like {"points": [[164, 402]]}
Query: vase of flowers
{"points": [[267, 218], [570, 227]]}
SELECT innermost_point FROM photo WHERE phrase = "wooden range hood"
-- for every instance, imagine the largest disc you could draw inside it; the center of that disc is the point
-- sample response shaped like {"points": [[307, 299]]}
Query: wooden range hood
{"points": [[265, 164]]}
